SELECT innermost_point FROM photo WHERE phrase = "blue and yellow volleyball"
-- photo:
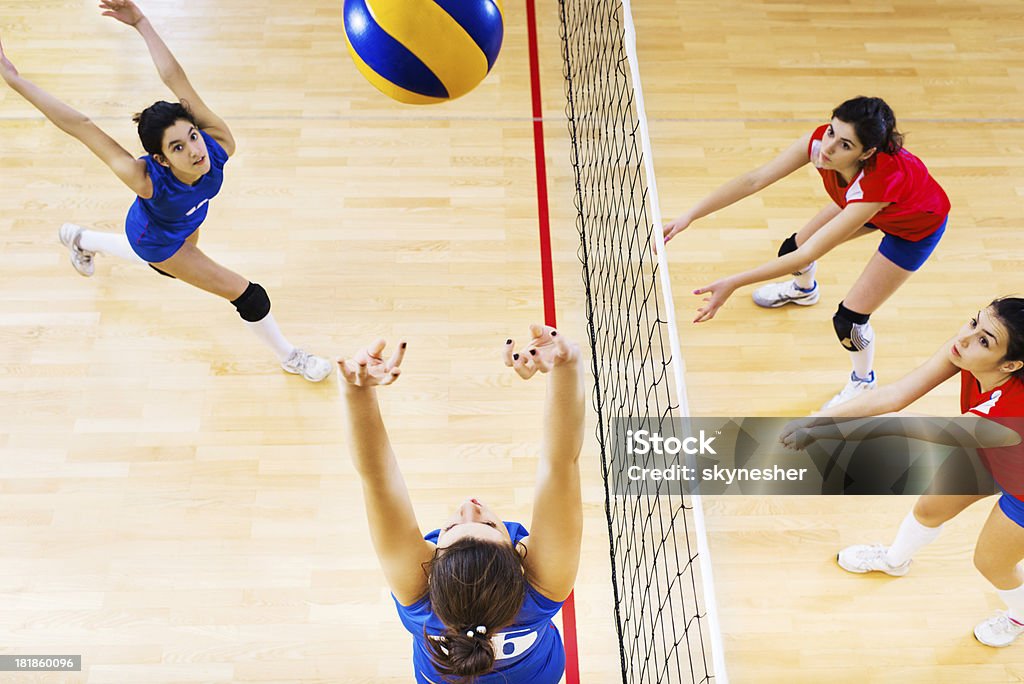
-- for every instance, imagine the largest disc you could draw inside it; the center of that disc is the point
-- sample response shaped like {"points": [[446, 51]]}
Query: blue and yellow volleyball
{"points": [[424, 51]]}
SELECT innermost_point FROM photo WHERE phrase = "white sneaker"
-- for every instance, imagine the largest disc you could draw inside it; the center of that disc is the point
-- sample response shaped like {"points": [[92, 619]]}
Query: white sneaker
{"points": [[853, 388], [998, 631], [313, 368], [861, 558], [779, 294], [81, 259]]}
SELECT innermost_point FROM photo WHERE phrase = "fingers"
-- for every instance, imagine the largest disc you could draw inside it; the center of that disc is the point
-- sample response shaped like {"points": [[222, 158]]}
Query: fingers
{"points": [[367, 368], [563, 348], [523, 365], [356, 369], [396, 359], [705, 313], [389, 377], [542, 364], [508, 353], [347, 368], [362, 370], [375, 349]]}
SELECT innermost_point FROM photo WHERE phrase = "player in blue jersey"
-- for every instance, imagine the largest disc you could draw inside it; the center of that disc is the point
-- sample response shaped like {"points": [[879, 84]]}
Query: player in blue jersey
{"points": [[478, 594], [188, 146]]}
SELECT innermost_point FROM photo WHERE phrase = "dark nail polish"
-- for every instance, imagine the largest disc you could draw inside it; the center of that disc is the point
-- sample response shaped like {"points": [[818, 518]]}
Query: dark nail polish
{"points": [[515, 357], [533, 352], [554, 333], [403, 345], [508, 341]]}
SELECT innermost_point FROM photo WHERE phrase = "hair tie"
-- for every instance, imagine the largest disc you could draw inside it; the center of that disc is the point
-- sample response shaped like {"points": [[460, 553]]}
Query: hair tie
{"points": [[480, 629]]}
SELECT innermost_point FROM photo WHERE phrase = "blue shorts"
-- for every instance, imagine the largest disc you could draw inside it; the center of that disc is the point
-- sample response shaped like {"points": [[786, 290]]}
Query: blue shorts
{"points": [[154, 245], [908, 255], [1012, 507]]}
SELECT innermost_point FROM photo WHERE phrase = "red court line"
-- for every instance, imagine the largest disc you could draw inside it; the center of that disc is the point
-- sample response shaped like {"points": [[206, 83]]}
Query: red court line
{"points": [[546, 273], [572, 666]]}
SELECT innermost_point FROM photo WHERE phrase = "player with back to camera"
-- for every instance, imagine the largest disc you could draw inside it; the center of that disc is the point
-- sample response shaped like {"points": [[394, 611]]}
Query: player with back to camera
{"points": [[988, 355], [478, 594], [188, 146], [874, 185]]}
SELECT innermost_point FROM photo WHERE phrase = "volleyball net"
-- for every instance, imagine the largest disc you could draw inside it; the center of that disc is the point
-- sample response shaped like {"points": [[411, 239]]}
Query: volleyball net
{"points": [[661, 576]]}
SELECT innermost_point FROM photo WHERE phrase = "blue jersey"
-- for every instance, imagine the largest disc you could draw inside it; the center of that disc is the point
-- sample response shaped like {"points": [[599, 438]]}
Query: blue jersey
{"points": [[528, 650], [157, 227]]}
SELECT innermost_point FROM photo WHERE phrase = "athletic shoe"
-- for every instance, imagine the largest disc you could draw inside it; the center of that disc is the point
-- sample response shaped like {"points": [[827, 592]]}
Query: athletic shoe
{"points": [[854, 387], [998, 631], [313, 368], [779, 294], [81, 259], [861, 558]]}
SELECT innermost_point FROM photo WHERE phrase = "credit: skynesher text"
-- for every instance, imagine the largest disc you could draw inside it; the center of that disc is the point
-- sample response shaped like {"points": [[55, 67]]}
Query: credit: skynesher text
{"points": [[716, 474]]}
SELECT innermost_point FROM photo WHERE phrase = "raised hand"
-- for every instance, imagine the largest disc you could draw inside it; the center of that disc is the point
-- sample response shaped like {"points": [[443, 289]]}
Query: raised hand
{"points": [[547, 350], [7, 69], [125, 11], [369, 369]]}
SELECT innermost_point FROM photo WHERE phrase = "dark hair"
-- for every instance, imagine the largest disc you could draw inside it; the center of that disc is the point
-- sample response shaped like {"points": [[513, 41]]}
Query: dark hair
{"points": [[473, 583], [157, 118], [1010, 311], [873, 121]]}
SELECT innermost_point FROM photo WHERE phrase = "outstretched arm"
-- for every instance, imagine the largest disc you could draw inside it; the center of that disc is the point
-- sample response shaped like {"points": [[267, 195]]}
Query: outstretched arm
{"points": [[791, 159], [556, 529], [885, 400], [171, 73], [396, 535], [841, 228], [844, 422], [130, 170]]}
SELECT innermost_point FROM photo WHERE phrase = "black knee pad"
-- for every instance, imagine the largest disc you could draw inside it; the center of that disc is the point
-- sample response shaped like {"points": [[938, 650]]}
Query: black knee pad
{"points": [[788, 245], [253, 304], [853, 329]]}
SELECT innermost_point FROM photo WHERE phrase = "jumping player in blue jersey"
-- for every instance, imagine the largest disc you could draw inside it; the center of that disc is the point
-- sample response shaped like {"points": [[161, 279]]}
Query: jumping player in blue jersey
{"points": [[188, 146], [479, 593]]}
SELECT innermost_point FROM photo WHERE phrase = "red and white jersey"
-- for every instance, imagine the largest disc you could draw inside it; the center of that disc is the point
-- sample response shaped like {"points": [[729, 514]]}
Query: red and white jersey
{"points": [[1005, 405], [917, 203]]}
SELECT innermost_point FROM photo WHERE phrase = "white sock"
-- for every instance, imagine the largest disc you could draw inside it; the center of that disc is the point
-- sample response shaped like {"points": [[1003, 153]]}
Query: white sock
{"points": [[266, 329], [805, 277], [910, 538], [1014, 599], [863, 361], [115, 244]]}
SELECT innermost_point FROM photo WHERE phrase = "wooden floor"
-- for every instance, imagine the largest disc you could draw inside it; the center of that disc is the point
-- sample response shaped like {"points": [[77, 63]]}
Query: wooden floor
{"points": [[177, 509]]}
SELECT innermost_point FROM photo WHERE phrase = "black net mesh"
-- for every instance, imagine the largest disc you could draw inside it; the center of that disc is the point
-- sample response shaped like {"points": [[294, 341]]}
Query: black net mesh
{"points": [[659, 607]]}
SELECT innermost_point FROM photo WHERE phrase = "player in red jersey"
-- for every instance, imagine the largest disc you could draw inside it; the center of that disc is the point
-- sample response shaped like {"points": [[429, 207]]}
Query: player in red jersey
{"points": [[988, 354], [875, 186]]}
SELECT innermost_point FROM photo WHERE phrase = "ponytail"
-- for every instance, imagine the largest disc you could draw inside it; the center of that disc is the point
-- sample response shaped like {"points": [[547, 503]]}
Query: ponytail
{"points": [[462, 654], [476, 588]]}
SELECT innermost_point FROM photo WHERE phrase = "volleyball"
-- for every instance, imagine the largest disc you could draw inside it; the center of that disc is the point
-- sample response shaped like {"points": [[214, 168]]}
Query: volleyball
{"points": [[424, 51]]}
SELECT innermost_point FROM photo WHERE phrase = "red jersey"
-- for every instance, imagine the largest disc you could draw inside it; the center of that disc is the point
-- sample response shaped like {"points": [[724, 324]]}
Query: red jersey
{"points": [[917, 207], [1005, 405]]}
